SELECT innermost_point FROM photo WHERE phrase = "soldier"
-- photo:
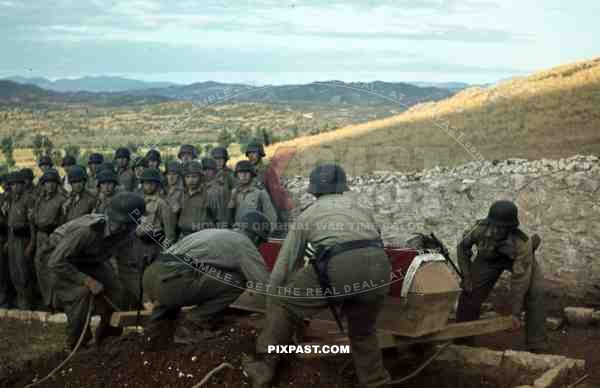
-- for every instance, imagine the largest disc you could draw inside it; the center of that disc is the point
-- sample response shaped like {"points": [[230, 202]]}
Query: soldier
{"points": [[501, 246], [6, 288], [268, 179], [82, 277], [46, 218], [138, 169], [21, 240], [155, 231], [255, 152], [107, 184], [67, 162], [341, 258], [174, 190], [94, 161], [225, 175], [125, 176], [215, 193], [171, 283], [249, 196], [45, 162], [187, 153], [80, 201], [197, 212], [29, 177], [154, 159]]}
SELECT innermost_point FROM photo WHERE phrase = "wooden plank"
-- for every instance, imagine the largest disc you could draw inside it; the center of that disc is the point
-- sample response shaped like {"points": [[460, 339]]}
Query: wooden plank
{"points": [[390, 340]]}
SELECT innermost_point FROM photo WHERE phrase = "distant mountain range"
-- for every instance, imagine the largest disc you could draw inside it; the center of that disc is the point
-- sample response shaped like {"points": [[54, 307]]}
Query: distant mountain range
{"points": [[90, 84], [454, 86], [109, 91]]}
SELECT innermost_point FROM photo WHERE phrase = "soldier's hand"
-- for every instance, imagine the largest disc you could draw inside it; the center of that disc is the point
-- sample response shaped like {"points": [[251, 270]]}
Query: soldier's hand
{"points": [[467, 284], [29, 250], [93, 285], [516, 323]]}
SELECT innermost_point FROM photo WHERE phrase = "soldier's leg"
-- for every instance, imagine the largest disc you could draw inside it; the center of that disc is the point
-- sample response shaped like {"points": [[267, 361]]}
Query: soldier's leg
{"points": [[366, 268], [75, 300], [20, 273], [535, 306], [106, 302], [6, 287], [211, 295], [485, 274]]}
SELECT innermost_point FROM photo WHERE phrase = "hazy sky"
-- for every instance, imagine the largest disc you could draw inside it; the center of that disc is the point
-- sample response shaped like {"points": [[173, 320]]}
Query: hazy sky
{"points": [[279, 41]]}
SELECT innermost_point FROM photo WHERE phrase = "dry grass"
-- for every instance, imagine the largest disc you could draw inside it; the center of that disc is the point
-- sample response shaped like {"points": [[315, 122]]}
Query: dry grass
{"points": [[553, 113]]}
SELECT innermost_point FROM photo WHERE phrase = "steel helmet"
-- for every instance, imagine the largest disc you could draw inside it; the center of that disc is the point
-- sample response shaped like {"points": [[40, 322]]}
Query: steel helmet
{"points": [[327, 179], [245, 166], [255, 146], [503, 213], [126, 208]]}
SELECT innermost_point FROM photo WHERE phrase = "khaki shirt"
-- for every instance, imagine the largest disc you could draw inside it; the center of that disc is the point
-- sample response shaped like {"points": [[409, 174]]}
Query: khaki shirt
{"points": [[47, 212], [78, 205], [85, 240], [174, 197], [493, 244], [224, 249], [251, 198], [331, 220], [20, 212], [127, 179], [157, 218], [198, 212]]}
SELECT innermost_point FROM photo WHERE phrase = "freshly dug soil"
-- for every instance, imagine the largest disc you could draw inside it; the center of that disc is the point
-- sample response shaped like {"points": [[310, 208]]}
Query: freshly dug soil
{"points": [[122, 362]]}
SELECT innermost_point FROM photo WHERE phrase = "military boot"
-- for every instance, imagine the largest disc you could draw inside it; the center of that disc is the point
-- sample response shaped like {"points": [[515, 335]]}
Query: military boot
{"points": [[261, 370], [368, 362]]}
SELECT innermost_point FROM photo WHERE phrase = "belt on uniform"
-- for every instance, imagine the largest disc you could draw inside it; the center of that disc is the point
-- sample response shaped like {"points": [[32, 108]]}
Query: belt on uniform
{"points": [[320, 262]]}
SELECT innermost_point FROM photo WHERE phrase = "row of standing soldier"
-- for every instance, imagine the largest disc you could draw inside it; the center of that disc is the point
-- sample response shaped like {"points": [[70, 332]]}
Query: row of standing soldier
{"points": [[190, 195]]}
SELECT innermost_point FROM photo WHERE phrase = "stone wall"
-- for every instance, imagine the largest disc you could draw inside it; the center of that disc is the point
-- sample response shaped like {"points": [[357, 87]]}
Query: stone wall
{"points": [[558, 199]]}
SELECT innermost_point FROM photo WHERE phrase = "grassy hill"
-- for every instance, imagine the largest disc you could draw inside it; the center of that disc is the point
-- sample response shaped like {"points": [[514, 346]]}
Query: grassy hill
{"points": [[550, 114]]}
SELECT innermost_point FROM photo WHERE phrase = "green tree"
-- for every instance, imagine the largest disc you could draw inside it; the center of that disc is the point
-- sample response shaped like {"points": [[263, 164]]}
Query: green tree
{"points": [[73, 150], [8, 151], [225, 137], [42, 145]]}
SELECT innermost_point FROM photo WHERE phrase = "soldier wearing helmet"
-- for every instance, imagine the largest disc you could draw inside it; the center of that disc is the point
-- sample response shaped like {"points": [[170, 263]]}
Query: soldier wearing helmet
{"points": [[340, 256], [46, 218], [187, 153], [197, 212], [229, 258], [140, 165], [125, 176], [215, 192], [155, 231], [80, 201], [20, 244], [94, 162], [248, 196], [225, 175], [107, 182], [174, 187], [154, 159], [501, 246], [45, 162], [78, 261]]}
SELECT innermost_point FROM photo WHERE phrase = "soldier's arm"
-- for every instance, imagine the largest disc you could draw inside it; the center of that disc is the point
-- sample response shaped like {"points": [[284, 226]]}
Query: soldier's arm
{"points": [[231, 208], [267, 207], [464, 251], [287, 260], [59, 261], [521, 251], [168, 222], [216, 207]]}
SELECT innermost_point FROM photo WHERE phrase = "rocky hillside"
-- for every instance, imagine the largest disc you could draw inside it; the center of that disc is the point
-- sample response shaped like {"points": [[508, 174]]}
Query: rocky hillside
{"points": [[557, 198], [550, 114]]}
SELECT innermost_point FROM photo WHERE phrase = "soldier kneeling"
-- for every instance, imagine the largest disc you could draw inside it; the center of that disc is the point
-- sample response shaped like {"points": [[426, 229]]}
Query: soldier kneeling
{"points": [[501, 246], [80, 272], [208, 269]]}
